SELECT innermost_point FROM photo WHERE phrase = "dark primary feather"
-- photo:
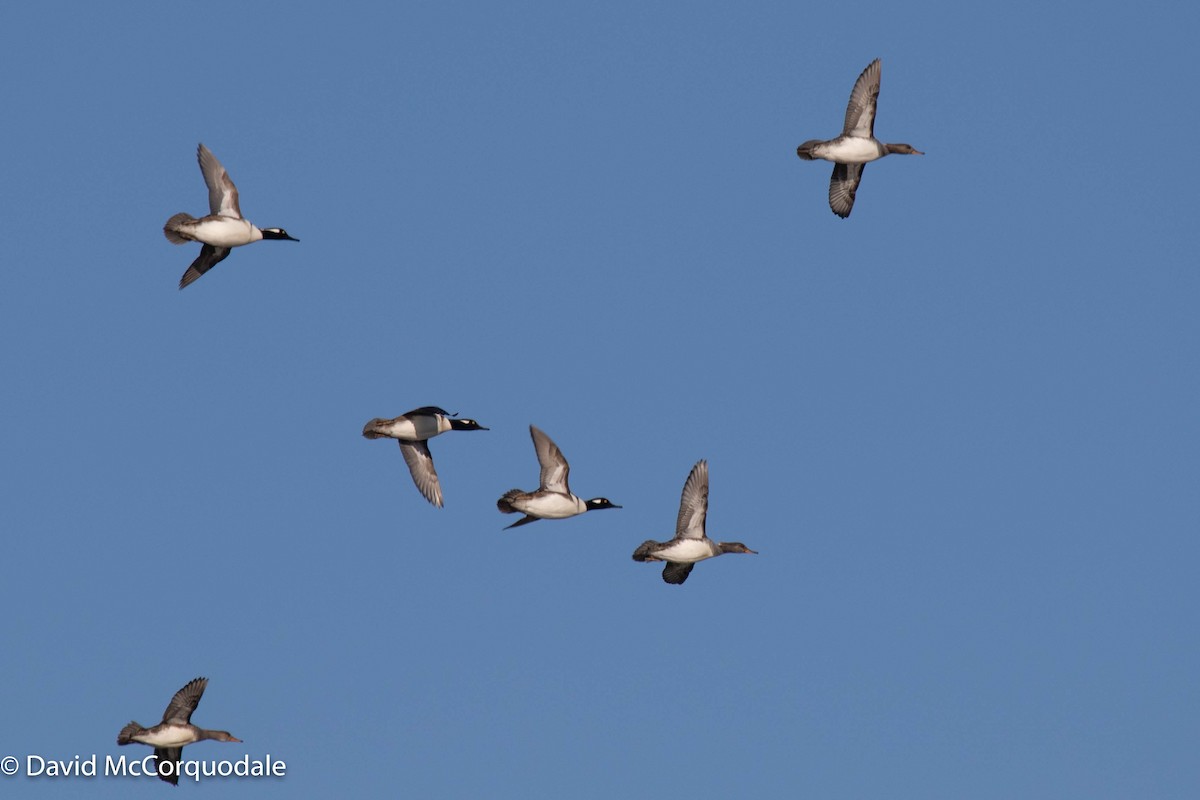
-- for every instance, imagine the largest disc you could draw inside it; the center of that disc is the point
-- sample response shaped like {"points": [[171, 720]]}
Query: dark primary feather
{"points": [[676, 573], [209, 257], [428, 411], [170, 755], [185, 701]]}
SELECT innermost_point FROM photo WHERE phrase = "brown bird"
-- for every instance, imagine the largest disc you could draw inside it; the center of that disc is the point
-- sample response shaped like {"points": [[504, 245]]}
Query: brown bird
{"points": [[856, 146]]}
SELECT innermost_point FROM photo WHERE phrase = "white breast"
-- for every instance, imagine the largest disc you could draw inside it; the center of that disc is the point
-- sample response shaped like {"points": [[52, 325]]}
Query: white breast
{"points": [[171, 736], [850, 151], [417, 430], [551, 506], [225, 232], [686, 551]]}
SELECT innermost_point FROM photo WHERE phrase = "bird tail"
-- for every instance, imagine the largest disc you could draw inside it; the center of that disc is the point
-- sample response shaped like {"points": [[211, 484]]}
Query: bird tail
{"points": [[128, 732], [805, 150], [505, 502], [371, 429], [644, 550], [171, 229]]}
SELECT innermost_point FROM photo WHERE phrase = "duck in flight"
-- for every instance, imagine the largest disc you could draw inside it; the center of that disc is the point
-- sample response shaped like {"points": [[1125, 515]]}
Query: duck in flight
{"points": [[856, 146], [553, 499], [412, 431], [223, 229], [690, 544], [175, 731]]}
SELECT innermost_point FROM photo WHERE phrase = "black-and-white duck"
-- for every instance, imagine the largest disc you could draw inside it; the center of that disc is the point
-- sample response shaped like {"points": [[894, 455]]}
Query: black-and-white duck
{"points": [[553, 499], [223, 229], [411, 431]]}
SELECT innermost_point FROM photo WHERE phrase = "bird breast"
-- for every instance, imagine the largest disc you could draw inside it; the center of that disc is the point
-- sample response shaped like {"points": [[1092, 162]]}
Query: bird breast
{"points": [[686, 551], [414, 430], [167, 736], [550, 506], [849, 150], [224, 231]]}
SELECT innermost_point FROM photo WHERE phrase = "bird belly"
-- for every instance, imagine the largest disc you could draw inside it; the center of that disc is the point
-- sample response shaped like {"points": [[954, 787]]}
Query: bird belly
{"points": [[851, 150], [402, 429], [172, 736], [410, 430], [685, 551], [550, 506], [223, 231]]}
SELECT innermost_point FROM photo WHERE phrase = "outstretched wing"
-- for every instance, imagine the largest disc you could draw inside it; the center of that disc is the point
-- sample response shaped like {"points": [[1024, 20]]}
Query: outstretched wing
{"points": [[185, 701], [169, 755], [420, 464], [676, 573], [860, 112], [525, 520], [693, 505], [843, 185], [554, 466], [209, 257], [222, 194]]}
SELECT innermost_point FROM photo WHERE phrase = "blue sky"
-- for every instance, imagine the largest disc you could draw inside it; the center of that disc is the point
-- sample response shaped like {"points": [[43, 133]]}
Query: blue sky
{"points": [[960, 427]]}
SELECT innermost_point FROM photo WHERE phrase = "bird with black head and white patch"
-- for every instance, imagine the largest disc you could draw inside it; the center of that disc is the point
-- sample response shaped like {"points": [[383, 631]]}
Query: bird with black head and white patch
{"points": [[553, 498], [412, 431], [223, 229]]}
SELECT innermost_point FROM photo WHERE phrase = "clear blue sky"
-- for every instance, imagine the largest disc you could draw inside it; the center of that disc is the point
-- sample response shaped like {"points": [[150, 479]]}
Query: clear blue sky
{"points": [[960, 427]]}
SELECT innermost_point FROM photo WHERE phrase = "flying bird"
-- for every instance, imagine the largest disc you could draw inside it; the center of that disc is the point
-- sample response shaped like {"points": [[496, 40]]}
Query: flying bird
{"points": [[553, 499], [223, 229], [856, 146], [176, 730], [690, 544], [411, 431]]}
